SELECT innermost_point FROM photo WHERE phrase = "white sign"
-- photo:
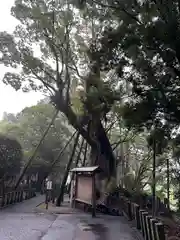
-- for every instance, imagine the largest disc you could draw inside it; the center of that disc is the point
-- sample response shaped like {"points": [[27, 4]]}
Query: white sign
{"points": [[49, 185]]}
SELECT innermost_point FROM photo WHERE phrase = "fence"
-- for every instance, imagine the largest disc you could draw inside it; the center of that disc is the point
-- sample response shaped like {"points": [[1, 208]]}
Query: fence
{"points": [[150, 227], [13, 197]]}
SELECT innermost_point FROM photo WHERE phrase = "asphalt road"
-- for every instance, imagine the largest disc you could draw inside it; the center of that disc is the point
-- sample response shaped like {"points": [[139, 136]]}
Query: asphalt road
{"points": [[23, 222]]}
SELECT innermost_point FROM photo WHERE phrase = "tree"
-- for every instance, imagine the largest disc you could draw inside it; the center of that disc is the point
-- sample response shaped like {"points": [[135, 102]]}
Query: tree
{"points": [[11, 156], [142, 42], [10, 117], [53, 29], [30, 126]]}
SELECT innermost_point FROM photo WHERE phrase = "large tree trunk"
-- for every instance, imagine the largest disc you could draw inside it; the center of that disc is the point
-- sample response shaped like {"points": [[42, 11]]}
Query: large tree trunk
{"points": [[103, 154], [106, 160]]}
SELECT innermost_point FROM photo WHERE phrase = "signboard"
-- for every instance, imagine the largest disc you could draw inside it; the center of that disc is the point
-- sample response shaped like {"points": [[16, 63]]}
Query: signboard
{"points": [[49, 185], [84, 188]]}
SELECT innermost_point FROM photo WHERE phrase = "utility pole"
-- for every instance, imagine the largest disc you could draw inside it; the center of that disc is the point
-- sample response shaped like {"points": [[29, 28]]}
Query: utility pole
{"points": [[154, 179]]}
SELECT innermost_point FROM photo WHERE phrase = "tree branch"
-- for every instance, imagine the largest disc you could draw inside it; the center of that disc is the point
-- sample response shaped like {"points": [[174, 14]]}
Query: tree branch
{"points": [[122, 141], [120, 8], [46, 84], [59, 81]]}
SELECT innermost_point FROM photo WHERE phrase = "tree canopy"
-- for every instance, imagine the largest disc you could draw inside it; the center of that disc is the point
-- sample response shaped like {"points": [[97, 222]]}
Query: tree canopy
{"points": [[101, 63], [28, 129], [11, 156], [142, 43], [46, 51]]}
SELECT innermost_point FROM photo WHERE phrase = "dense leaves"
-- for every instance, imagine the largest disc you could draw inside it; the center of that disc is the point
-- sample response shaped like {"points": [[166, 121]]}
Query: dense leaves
{"points": [[28, 128], [123, 54], [145, 40], [11, 156]]}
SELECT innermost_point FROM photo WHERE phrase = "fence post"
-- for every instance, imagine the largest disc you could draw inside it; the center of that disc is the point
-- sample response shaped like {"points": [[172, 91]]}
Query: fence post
{"points": [[160, 233], [5, 200], [21, 196], [141, 221], [129, 213], [137, 216], [148, 223], [17, 196], [153, 230], [144, 214]]}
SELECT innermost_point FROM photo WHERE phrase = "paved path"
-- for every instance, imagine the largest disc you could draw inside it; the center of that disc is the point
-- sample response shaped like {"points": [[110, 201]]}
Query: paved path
{"points": [[22, 222], [27, 206]]}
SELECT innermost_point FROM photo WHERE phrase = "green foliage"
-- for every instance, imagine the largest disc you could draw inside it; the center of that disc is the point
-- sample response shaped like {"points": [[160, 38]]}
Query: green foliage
{"points": [[158, 139], [144, 38], [10, 156], [29, 128], [134, 56]]}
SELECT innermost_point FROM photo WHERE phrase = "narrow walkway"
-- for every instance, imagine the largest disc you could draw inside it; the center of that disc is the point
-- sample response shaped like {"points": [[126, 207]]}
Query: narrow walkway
{"points": [[23, 222], [27, 206], [84, 227]]}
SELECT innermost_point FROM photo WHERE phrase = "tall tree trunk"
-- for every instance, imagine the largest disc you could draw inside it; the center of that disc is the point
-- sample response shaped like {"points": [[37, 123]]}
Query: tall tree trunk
{"points": [[122, 164], [60, 197], [127, 156], [107, 159], [168, 182], [3, 191], [154, 179]]}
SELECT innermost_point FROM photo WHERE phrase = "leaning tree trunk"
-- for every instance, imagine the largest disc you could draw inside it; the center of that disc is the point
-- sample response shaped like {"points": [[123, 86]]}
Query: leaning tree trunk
{"points": [[106, 161]]}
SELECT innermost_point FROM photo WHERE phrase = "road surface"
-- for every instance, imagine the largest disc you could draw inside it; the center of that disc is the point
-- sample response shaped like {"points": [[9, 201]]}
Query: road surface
{"points": [[23, 222]]}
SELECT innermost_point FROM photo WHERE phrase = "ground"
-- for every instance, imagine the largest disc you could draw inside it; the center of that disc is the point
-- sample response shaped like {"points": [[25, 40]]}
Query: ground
{"points": [[23, 222]]}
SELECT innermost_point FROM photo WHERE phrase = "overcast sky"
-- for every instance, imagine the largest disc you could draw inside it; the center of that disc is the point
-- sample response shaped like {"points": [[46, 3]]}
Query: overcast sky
{"points": [[10, 100]]}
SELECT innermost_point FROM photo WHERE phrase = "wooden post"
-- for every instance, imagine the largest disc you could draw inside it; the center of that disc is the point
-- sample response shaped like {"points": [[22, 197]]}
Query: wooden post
{"points": [[129, 213], [93, 196], [144, 214], [153, 230], [11, 197], [21, 196], [75, 190], [72, 188], [141, 220], [133, 210], [158, 202], [5, 199], [160, 233], [137, 216], [148, 223], [3, 193], [17, 196], [7, 202]]}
